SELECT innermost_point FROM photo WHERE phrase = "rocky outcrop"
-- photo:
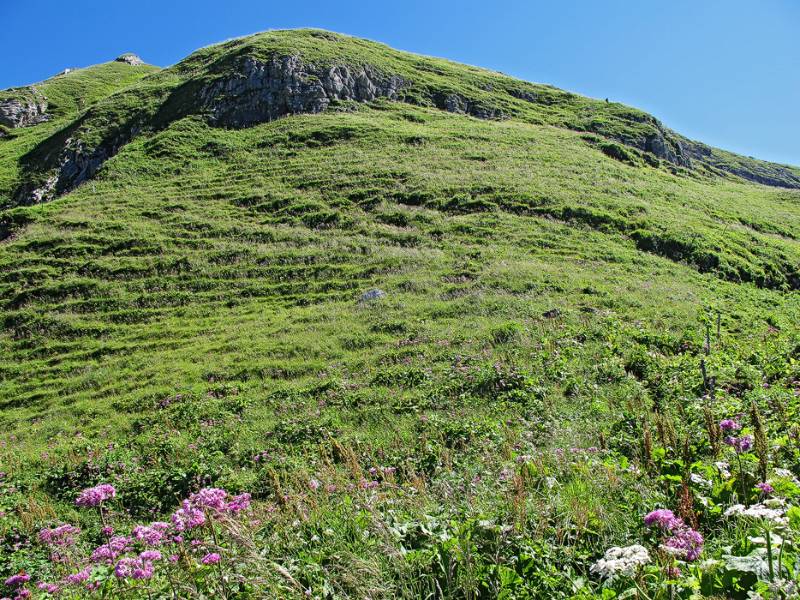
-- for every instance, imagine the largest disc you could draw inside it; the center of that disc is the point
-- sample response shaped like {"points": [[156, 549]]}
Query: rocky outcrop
{"points": [[29, 107], [260, 91], [667, 147], [130, 59], [455, 103], [75, 163], [763, 172], [254, 92]]}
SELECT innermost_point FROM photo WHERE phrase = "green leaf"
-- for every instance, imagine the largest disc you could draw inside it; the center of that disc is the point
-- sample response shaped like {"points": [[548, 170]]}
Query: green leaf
{"points": [[794, 517]]}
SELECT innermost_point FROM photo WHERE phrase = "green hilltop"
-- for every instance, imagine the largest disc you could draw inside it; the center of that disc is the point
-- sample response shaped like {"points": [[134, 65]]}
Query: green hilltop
{"points": [[182, 257]]}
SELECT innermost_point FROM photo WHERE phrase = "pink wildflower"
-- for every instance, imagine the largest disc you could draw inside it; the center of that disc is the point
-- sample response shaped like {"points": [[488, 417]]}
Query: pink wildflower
{"points": [[18, 579], [135, 568], [765, 488], [663, 518], [63, 535], [94, 496], [49, 588], [729, 425], [211, 558], [151, 535], [313, 485], [741, 444], [209, 498], [79, 577], [686, 542], [238, 503], [119, 544], [188, 517]]}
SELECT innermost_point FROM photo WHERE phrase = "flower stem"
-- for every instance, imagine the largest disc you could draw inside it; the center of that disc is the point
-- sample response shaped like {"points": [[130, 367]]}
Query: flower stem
{"points": [[745, 498], [769, 554]]}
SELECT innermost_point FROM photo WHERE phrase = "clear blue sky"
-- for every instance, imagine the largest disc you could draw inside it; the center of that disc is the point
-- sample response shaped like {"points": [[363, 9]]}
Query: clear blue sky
{"points": [[726, 72]]}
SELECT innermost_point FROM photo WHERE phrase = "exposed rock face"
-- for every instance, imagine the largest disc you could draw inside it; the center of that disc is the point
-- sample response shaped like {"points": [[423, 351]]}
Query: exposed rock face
{"points": [[76, 164], [263, 91], [667, 146], [456, 103], [28, 109], [765, 173], [130, 59]]}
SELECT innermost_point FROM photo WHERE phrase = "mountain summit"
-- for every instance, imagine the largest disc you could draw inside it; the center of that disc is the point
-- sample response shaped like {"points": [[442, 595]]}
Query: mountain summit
{"points": [[263, 77]]}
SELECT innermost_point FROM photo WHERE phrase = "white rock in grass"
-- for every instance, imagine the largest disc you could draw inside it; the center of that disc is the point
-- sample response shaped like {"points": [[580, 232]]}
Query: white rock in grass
{"points": [[372, 295]]}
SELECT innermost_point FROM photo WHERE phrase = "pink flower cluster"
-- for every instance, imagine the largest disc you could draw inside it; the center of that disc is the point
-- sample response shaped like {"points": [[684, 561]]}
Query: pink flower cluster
{"points": [[740, 444], [729, 425], [48, 588], [681, 540], [765, 488], [151, 535], [19, 579], [61, 536], [94, 496], [79, 577], [116, 546], [134, 568], [120, 551], [208, 501]]}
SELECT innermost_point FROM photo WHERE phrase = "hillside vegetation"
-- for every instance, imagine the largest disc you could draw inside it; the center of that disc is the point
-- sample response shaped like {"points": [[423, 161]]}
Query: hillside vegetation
{"points": [[575, 298]]}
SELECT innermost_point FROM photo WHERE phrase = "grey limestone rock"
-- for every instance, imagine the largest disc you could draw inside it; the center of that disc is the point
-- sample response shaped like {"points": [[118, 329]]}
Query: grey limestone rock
{"points": [[130, 58], [28, 108], [372, 295], [259, 91]]}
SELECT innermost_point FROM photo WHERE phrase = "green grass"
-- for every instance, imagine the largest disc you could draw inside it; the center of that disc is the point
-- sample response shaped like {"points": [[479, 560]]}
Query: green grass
{"points": [[197, 303], [68, 95]]}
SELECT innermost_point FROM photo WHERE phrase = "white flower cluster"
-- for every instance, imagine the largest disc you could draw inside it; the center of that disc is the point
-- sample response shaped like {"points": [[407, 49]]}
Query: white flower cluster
{"points": [[698, 479], [621, 561], [724, 469], [786, 474], [770, 510]]}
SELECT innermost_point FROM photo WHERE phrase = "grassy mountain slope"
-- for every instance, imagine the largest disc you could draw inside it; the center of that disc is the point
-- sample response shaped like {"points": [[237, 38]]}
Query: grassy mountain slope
{"points": [[182, 90], [195, 305], [68, 95]]}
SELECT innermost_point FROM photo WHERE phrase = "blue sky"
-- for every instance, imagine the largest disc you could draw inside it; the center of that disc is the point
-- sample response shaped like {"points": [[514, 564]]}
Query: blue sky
{"points": [[726, 72]]}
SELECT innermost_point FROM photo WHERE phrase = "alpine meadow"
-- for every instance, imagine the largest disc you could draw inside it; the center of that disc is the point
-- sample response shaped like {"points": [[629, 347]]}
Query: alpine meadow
{"points": [[303, 316]]}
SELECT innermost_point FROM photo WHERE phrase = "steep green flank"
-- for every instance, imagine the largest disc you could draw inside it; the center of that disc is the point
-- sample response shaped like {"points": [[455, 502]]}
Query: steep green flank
{"points": [[190, 316], [68, 95]]}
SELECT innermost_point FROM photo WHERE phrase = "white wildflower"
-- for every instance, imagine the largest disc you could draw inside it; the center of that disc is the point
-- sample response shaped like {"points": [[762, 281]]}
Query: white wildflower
{"points": [[710, 564], [759, 511], [786, 474], [774, 502], [775, 539], [698, 479], [621, 561], [724, 469]]}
